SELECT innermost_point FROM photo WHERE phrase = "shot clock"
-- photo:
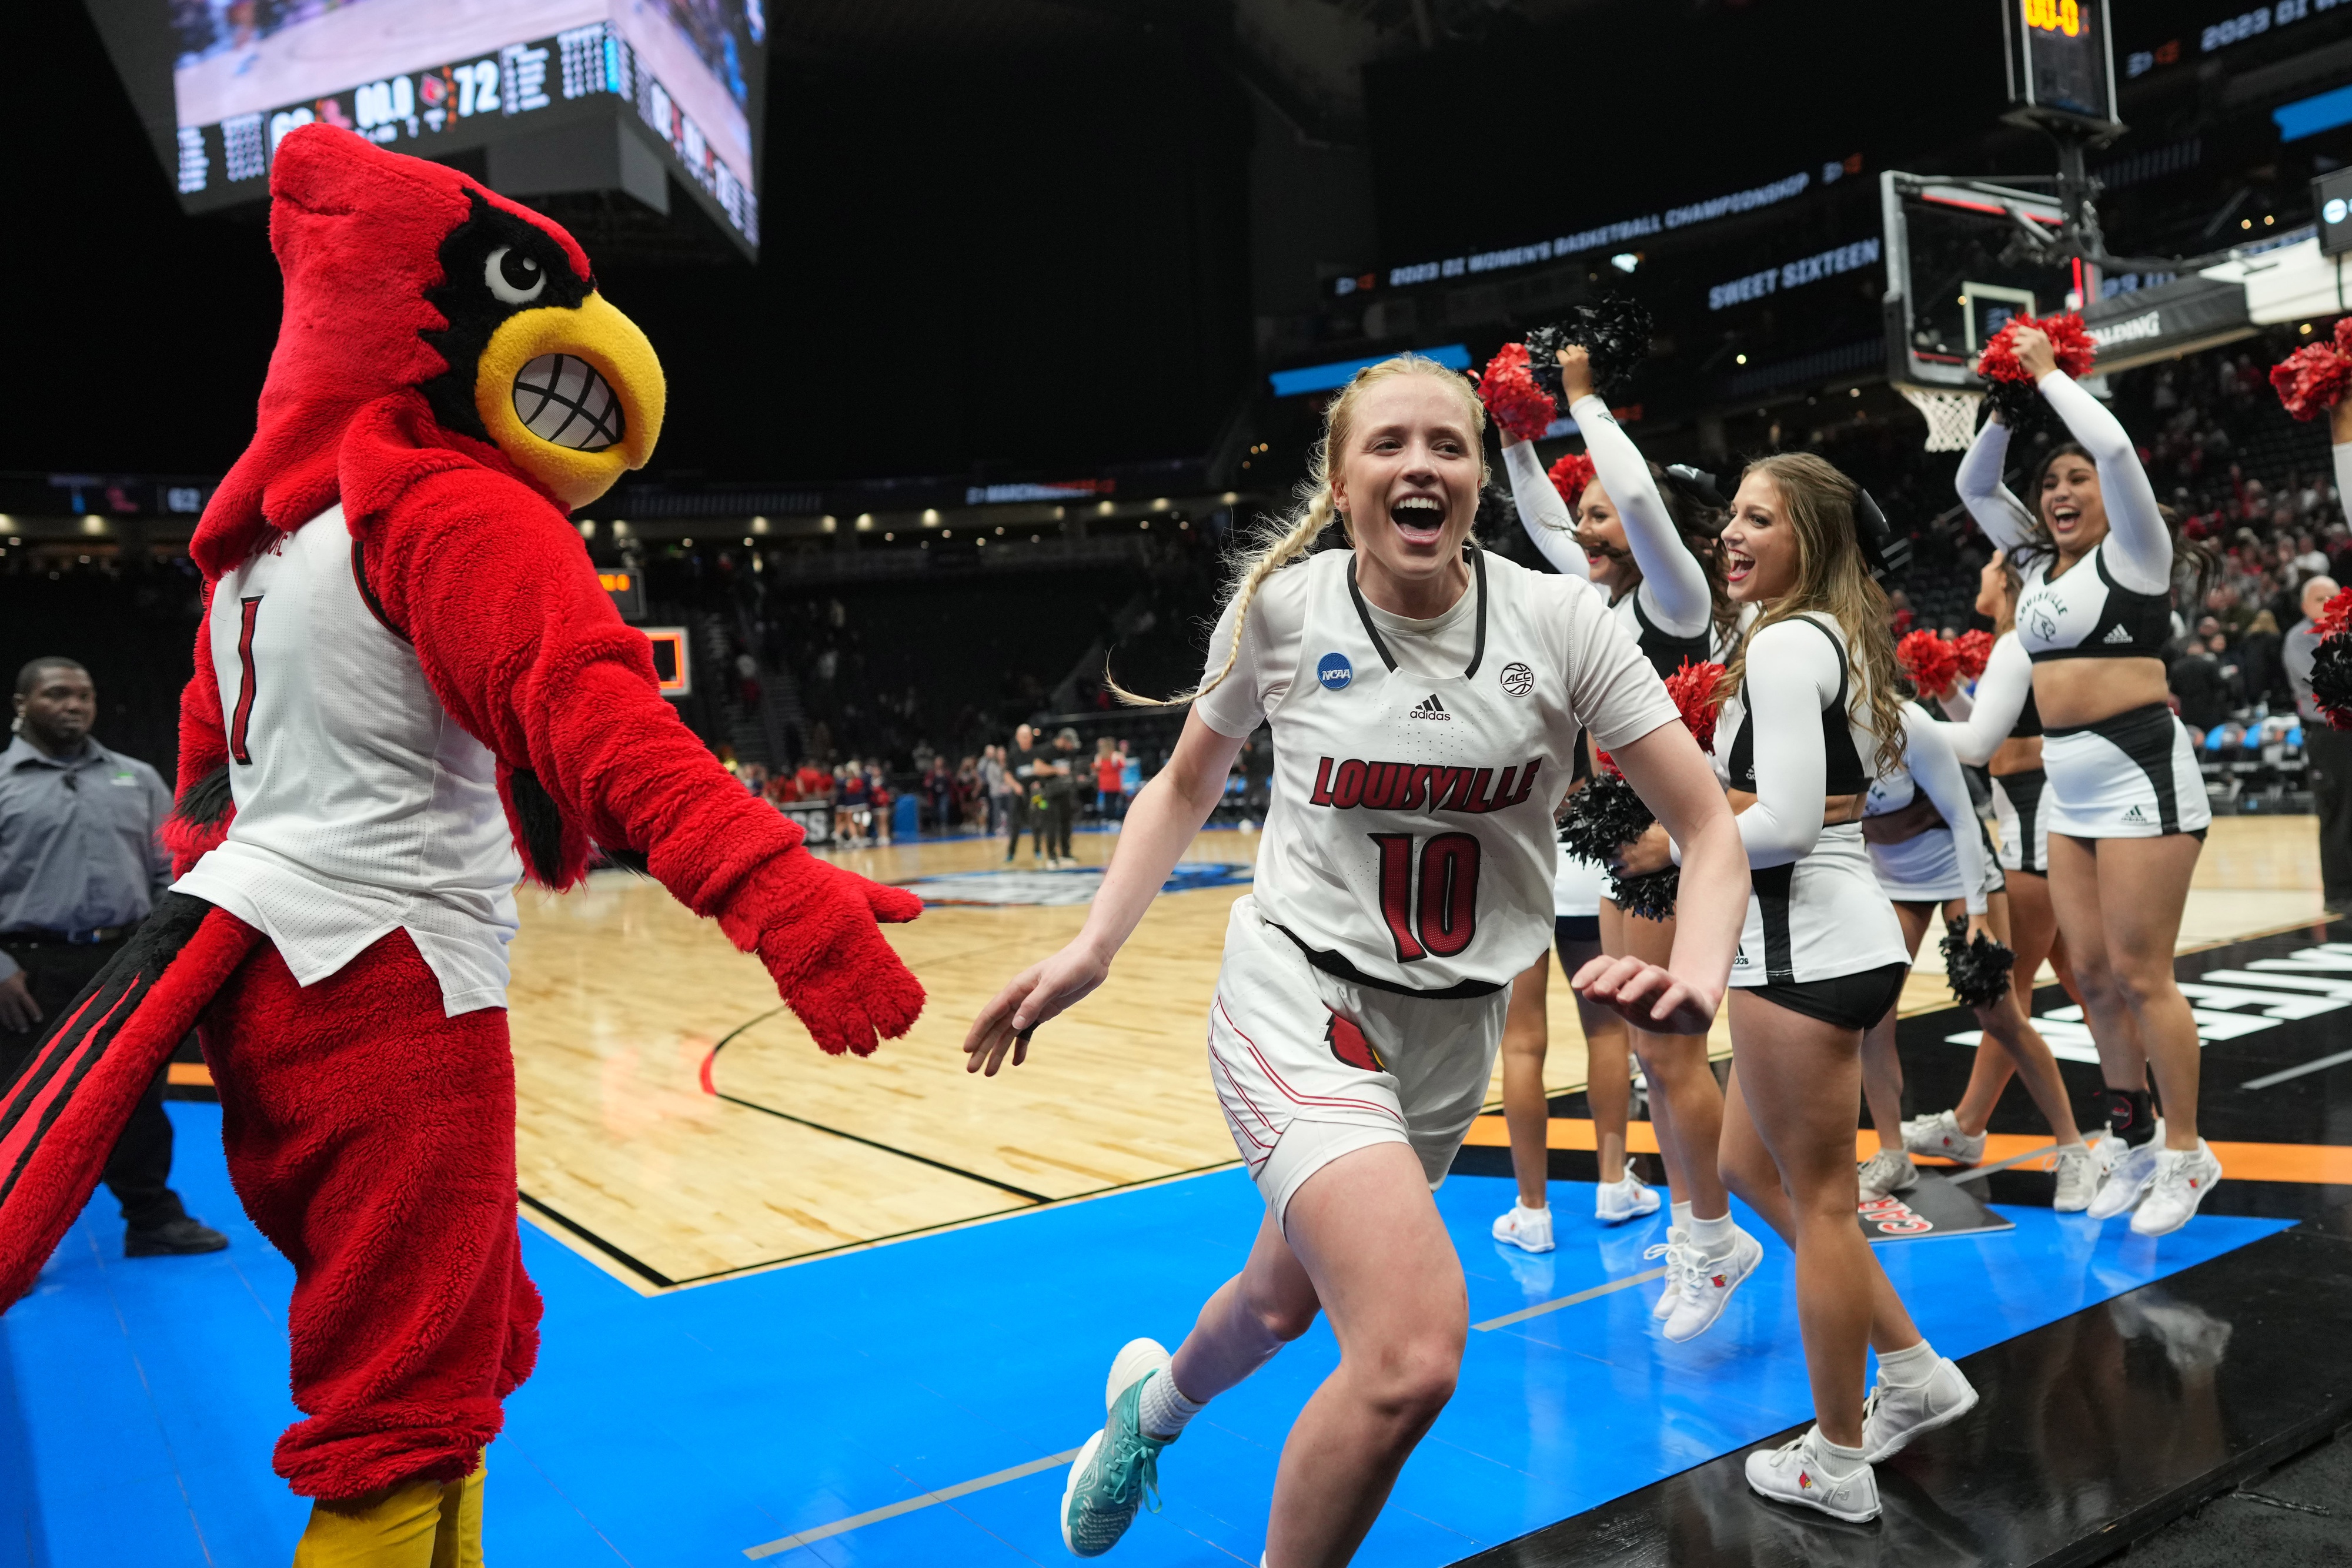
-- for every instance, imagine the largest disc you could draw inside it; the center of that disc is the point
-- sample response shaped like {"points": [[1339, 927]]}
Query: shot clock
{"points": [[2061, 68]]}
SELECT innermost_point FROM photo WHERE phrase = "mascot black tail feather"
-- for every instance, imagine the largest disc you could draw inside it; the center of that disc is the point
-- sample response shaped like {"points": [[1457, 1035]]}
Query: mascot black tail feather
{"points": [[61, 1114]]}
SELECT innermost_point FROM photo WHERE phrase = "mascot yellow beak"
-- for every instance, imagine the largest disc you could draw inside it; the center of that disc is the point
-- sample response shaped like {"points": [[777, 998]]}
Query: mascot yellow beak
{"points": [[573, 394]]}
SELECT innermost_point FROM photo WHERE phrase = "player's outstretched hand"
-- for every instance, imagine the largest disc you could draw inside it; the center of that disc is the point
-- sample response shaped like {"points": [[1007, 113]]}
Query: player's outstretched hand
{"points": [[814, 925], [1647, 996], [1038, 993]]}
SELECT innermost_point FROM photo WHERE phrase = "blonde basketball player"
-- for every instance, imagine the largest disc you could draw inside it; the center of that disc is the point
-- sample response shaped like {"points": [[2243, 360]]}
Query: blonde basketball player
{"points": [[1425, 701]]}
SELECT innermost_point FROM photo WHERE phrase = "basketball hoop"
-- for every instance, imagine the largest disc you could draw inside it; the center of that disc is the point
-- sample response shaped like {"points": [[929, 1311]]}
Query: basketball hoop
{"points": [[1952, 415]]}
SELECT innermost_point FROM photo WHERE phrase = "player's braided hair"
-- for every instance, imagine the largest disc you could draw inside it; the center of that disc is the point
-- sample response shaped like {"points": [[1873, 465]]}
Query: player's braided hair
{"points": [[1278, 542]]}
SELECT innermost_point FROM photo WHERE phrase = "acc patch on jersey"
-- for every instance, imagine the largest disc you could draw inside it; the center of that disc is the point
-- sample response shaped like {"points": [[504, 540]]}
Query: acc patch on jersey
{"points": [[1335, 672]]}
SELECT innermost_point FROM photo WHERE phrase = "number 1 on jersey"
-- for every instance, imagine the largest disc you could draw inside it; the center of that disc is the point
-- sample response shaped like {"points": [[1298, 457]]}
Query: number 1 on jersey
{"points": [[243, 715], [1441, 921]]}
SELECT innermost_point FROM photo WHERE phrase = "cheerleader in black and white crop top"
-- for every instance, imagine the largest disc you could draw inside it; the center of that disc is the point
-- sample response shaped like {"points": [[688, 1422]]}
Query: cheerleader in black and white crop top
{"points": [[1620, 532], [2116, 773], [1933, 858], [2126, 803], [1822, 957]]}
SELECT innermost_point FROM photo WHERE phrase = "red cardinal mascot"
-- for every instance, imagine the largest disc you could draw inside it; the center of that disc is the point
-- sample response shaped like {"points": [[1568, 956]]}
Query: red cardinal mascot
{"points": [[410, 691]]}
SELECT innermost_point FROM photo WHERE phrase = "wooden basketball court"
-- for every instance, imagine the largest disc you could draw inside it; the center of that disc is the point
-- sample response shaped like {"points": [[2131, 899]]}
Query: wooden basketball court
{"points": [[677, 1126]]}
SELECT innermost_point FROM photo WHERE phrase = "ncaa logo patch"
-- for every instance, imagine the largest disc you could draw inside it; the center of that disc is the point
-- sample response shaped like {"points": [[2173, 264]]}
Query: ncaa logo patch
{"points": [[1335, 672], [1518, 680]]}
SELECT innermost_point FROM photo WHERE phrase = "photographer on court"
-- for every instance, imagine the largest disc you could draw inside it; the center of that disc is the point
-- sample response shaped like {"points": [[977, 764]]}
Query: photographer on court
{"points": [[79, 867]]}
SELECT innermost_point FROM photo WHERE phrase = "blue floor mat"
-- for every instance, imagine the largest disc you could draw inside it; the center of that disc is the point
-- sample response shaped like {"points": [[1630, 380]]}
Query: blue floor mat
{"points": [[139, 1399]]}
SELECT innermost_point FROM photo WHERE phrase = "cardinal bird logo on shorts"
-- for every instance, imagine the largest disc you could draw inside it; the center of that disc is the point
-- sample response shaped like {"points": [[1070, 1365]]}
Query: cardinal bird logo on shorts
{"points": [[1348, 1044]]}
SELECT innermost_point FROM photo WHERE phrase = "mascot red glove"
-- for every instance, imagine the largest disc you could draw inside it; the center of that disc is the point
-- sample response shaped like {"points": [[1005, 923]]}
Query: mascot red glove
{"points": [[410, 691]]}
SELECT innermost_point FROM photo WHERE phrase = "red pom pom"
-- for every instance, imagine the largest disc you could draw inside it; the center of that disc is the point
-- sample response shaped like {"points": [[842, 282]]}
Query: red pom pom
{"points": [[2069, 340], [1972, 649], [2335, 617], [1929, 662], [1511, 395], [1693, 687], [2312, 379], [1570, 475]]}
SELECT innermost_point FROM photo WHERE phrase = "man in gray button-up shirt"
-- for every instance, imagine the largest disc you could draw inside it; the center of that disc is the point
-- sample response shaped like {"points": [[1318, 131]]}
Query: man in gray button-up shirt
{"points": [[79, 866]]}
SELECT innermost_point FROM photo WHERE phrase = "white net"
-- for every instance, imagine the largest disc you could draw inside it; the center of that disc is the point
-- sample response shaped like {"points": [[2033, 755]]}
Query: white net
{"points": [[1952, 415]]}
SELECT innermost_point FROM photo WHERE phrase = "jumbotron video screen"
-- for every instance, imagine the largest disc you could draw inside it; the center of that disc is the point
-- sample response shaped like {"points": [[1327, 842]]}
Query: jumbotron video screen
{"points": [[431, 76]]}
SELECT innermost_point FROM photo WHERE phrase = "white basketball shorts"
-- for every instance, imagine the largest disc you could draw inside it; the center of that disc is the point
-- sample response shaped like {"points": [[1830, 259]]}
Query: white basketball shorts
{"points": [[1310, 1066]]}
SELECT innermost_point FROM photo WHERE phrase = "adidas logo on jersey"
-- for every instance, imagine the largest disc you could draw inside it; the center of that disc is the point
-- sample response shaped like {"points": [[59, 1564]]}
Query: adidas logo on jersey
{"points": [[2134, 814], [2120, 635], [1430, 707]]}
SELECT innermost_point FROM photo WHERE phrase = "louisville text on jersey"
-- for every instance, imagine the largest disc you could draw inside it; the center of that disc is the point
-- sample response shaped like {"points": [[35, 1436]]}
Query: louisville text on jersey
{"points": [[1420, 785]]}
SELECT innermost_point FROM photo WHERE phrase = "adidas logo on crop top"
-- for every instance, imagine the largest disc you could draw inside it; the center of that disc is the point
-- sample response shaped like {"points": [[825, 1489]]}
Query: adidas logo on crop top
{"points": [[1400, 852]]}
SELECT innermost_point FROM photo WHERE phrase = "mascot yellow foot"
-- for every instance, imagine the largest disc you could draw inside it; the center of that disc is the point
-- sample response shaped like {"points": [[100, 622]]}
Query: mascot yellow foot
{"points": [[417, 1524]]}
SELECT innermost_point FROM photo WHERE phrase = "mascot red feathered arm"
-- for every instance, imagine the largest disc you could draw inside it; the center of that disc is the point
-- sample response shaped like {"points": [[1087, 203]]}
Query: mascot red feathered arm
{"points": [[448, 372]]}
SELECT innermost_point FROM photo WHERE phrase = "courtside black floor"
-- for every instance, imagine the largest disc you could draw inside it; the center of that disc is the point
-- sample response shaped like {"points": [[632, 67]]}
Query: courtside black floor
{"points": [[2108, 1426]]}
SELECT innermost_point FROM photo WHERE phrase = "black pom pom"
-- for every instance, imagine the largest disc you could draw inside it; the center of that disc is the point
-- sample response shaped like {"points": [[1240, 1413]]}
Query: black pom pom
{"points": [[1614, 330], [2331, 680], [2020, 405], [1977, 971], [1649, 896], [1603, 817], [1498, 516]]}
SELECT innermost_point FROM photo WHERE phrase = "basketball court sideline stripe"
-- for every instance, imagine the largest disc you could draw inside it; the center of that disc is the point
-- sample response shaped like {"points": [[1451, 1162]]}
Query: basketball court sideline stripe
{"points": [[1540, 1308], [909, 1505], [2320, 1065]]}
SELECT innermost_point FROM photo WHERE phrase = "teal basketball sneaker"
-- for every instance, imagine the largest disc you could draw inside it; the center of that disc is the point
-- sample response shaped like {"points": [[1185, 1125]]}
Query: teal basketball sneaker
{"points": [[1117, 1471]]}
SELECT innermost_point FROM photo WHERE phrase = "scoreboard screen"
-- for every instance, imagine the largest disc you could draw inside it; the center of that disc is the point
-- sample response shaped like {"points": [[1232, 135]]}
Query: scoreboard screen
{"points": [[2060, 62], [433, 77]]}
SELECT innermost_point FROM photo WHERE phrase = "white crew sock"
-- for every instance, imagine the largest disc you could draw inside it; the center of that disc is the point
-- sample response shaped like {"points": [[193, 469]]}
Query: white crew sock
{"points": [[1711, 1236], [1836, 1463], [1162, 1410], [1680, 1217], [1909, 1368]]}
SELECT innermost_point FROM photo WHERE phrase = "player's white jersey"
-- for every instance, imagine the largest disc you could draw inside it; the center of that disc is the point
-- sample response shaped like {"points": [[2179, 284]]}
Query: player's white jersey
{"points": [[362, 807], [1409, 844]]}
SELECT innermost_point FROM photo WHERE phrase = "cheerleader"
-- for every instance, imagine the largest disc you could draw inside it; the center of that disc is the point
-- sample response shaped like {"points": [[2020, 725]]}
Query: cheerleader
{"points": [[1931, 857], [2126, 804], [1608, 1091], [1425, 701], [1812, 707], [1997, 727], [1630, 543]]}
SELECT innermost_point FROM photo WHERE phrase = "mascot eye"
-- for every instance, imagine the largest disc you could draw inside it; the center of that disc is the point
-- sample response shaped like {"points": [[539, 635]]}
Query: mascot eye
{"points": [[513, 278]]}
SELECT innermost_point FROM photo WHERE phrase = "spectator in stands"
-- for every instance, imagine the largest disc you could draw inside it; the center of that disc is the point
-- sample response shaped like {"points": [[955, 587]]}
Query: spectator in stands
{"points": [[1061, 792], [878, 800], [2197, 687], [970, 793], [1111, 800], [755, 778], [79, 867], [997, 780], [1130, 772], [1029, 768], [939, 792], [2328, 752], [813, 782], [2262, 678], [852, 805]]}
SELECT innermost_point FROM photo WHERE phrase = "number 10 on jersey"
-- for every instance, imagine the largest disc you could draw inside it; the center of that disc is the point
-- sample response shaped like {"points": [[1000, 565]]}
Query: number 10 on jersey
{"points": [[1438, 917]]}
